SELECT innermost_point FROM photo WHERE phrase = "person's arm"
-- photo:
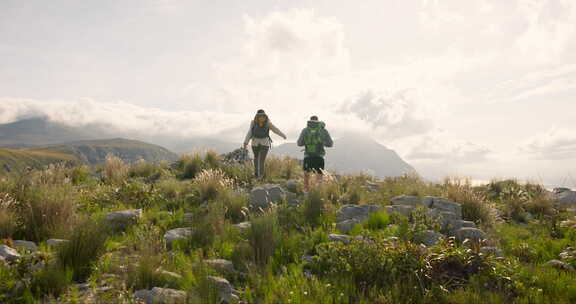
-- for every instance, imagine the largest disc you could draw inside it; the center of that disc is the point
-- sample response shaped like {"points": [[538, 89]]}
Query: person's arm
{"points": [[328, 142], [300, 141], [248, 135], [276, 130]]}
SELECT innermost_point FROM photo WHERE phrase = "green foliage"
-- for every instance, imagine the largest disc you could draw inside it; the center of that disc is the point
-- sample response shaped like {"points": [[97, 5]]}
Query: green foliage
{"points": [[377, 221], [190, 165], [475, 206], [52, 280], [313, 208], [115, 170], [147, 170]]}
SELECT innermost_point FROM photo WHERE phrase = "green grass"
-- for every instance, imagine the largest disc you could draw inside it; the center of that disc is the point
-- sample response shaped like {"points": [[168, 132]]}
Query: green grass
{"points": [[285, 256]]}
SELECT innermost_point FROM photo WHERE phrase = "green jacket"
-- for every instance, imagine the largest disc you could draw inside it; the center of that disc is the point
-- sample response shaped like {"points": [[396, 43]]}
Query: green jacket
{"points": [[324, 135]]}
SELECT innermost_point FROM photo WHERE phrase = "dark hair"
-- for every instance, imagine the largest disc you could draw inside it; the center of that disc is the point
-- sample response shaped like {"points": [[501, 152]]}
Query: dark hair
{"points": [[314, 117], [260, 112]]}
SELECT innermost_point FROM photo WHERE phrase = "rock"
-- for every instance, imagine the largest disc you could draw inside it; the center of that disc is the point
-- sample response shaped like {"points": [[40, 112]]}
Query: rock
{"points": [[339, 238], [177, 234], [430, 238], [307, 258], [169, 275], [564, 197], [120, 220], [358, 212], [446, 205], [27, 245], [560, 265], [292, 199], [495, 251], [346, 225], [567, 253], [371, 186], [259, 198], [159, 295], [404, 210], [409, 200], [275, 192], [243, 226], [473, 234], [55, 242], [221, 265], [455, 225], [9, 254], [224, 288], [292, 185], [445, 218]]}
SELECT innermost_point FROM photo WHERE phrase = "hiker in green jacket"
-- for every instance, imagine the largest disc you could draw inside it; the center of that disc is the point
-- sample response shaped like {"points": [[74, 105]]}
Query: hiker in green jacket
{"points": [[259, 133], [314, 138]]}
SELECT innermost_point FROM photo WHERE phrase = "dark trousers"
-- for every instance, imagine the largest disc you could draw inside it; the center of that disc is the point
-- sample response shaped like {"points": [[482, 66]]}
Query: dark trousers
{"points": [[260, 153]]}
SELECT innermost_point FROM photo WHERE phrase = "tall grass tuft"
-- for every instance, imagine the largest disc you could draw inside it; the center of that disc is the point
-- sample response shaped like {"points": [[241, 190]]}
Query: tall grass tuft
{"points": [[115, 170], [313, 208], [190, 165], [475, 206], [85, 245], [149, 171], [263, 237], [8, 216], [211, 183]]}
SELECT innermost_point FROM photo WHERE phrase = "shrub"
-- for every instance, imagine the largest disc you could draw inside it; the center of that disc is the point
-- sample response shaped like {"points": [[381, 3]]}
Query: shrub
{"points": [[190, 165], [52, 280], [211, 183], [147, 170], [8, 216], [47, 211], [212, 160], [263, 237], [86, 244], [236, 206], [377, 221], [475, 207], [115, 170], [313, 207]]}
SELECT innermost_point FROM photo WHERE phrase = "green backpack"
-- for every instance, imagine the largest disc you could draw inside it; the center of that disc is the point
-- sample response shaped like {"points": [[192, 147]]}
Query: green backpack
{"points": [[313, 141]]}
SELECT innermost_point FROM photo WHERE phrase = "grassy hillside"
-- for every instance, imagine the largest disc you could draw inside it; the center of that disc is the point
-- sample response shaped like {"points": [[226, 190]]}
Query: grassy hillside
{"points": [[194, 230], [20, 159]]}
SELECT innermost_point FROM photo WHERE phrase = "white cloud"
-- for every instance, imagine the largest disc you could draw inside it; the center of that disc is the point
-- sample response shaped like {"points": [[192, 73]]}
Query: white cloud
{"points": [[555, 144]]}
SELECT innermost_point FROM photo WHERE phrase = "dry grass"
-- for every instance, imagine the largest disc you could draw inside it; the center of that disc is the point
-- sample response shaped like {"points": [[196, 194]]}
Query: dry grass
{"points": [[211, 183], [115, 170]]}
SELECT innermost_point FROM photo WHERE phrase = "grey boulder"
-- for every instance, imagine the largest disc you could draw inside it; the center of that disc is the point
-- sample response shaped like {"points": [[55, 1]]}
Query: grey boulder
{"points": [[177, 234], [159, 295], [472, 234], [9, 254], [120, 220], [357, 212]]}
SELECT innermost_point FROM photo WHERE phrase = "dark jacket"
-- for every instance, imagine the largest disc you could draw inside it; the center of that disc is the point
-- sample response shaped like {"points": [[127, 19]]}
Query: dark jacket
{"points": [[326, 139]]}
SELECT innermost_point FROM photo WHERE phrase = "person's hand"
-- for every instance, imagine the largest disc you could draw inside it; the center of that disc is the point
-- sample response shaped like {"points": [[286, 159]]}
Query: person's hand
{"points": [[245, 146]]}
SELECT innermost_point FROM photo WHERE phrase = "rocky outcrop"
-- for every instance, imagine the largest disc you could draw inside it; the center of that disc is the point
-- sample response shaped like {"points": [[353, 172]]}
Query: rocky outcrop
{"points": [[225, 290], [121, 220], [350, 215], [473, 234], [177, 234], [159, 295], [26, 245]]}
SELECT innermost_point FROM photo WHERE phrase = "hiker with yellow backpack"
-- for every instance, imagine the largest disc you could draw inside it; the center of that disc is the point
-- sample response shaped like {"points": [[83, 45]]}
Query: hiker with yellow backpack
{"points": [[314, 138], [259, 134]]}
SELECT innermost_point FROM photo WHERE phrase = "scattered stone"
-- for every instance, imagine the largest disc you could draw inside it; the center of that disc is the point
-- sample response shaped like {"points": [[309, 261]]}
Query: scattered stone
{"points": [[259, 198], [159, 295], [495, 251], [292, 199], [292, 185], [567, 254], [120, 220], [225, 289], [430, 238], [83, 286], [358, 212], [27, 245], [55, 242], [346, 225], [307, 258], [445, 218], [220, 265], [177, 234], [472, 234], [371, 186], [339, 238], [9, 254], [560, 265], [243, 226]]}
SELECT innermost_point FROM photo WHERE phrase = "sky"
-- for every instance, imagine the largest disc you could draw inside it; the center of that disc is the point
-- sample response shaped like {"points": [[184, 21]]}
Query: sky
{"points": [[482, 89]]}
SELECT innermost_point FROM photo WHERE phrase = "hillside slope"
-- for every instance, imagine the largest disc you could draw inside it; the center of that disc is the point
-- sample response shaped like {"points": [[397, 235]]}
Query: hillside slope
{"points": [[18, 160]]}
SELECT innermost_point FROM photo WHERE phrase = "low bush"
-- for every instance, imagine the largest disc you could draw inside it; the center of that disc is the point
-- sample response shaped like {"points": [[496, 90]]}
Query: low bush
{"points": [[475, 206], [264, 237], [190, 165], [115, 170]]}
